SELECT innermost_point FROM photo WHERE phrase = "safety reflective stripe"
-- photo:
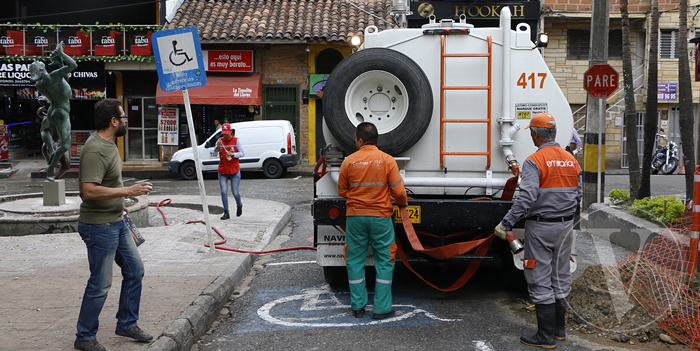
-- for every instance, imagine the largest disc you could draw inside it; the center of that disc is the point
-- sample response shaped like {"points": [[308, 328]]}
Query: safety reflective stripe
{"points": [[696, 208], [358, 281], [695, 235], [697, 177], [397, 183], [563, 189], [343, 187], [384, 281], [541, 297], [368, 184]]}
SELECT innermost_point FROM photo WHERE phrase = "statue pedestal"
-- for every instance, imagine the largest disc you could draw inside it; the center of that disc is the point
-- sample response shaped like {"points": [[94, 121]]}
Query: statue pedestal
{"points": [[55, 192]]}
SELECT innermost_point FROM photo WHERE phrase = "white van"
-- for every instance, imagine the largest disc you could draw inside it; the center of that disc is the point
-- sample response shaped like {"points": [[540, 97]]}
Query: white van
{"points": [[268, 145]]}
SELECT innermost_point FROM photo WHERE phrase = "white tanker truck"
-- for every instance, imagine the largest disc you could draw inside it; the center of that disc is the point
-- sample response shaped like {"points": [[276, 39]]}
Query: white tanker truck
{"points": [[450, 102]]}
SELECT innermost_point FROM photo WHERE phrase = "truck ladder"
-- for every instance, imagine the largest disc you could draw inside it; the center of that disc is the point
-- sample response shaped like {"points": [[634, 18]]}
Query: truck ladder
{"points": [[443, 88]]}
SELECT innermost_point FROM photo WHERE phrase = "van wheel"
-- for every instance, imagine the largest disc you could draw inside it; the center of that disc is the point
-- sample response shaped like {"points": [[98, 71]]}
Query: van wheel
{"points": [[381, 86], [272, 169], [188, 171]]}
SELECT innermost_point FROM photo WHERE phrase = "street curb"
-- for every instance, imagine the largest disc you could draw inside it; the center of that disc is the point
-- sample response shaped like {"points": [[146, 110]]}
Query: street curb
{"points": [[620, 227], [196, 319]]}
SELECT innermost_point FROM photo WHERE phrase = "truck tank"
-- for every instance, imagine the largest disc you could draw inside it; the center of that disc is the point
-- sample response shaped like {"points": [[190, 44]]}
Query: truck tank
{"points": [[450, 102]]}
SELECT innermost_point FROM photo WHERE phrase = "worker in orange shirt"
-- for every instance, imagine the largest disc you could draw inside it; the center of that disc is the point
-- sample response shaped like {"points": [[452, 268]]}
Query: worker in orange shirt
{"points": [[550, 192], [368, 179]]}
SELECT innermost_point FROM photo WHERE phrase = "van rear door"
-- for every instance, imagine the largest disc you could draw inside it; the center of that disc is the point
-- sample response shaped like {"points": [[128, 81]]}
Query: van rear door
{"points": [[260, 142]]}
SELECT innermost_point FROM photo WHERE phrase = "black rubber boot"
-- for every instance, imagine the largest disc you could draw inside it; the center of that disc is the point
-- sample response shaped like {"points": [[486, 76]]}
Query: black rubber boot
{"points": [[545, 328], [226, 215], [560, 316], [239, 211]]}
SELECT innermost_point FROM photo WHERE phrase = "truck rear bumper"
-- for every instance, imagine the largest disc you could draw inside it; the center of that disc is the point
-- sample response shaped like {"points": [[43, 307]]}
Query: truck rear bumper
{"points": [[435, 215]]}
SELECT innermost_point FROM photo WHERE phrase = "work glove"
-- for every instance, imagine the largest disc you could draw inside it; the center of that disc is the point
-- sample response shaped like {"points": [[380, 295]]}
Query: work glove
{"points": [[501, 231]]}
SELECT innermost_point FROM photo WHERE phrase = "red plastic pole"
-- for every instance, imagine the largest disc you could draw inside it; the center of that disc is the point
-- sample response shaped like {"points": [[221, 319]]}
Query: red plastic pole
{"points": [[695, 226]]}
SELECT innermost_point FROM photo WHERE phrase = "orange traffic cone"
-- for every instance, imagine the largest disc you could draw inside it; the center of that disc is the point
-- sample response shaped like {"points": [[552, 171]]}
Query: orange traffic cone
{"points": [[682, 170]]}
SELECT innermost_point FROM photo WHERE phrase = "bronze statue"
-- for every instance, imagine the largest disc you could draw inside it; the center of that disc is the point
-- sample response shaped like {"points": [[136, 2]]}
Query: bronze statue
{"points": [[56, 88], [64, 163]]}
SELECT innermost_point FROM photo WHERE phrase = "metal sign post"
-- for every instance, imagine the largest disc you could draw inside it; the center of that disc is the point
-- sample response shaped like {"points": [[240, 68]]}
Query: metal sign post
{"points": [[180, 66]]}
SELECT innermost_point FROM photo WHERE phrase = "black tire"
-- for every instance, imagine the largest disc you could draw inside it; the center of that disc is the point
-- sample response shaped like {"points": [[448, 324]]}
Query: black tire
{"points": [[401, 115], [670, 167], [654, 171], [272, 169], [336, 276], [188, 171]]}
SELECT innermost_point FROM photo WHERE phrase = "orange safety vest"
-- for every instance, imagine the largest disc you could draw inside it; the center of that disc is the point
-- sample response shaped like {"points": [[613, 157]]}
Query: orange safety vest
{"points": [[366, 178]]}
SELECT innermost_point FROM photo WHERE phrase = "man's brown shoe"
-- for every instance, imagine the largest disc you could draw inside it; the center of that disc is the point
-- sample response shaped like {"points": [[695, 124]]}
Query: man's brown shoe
{"points": [[88, 345], [135, 333]]}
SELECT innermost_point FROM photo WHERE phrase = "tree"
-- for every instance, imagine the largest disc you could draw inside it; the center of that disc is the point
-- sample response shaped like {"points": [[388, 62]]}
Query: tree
{"points": [[651, 119], [630, 108], [685, 100]]}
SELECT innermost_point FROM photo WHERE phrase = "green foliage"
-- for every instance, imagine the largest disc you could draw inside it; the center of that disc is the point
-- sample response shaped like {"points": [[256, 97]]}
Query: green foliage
{"points": [[618, 196], [653, 209]]}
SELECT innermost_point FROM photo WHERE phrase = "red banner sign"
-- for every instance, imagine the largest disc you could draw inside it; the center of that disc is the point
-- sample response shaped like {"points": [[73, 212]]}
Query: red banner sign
{"points": [[229, 60]]}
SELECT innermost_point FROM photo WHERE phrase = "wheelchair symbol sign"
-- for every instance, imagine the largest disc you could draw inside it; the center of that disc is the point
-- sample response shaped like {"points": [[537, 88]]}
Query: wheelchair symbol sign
{"points": [[179, 59]]}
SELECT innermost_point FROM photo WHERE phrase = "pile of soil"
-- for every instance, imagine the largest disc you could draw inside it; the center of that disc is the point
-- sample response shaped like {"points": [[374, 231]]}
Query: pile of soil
{"points": [[592, 308]]}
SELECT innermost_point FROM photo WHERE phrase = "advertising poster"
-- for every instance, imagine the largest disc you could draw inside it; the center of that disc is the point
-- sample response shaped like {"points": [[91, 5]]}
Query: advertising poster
{"points": [[667, 91], [317, 83], [168, 118], [4, 145]]}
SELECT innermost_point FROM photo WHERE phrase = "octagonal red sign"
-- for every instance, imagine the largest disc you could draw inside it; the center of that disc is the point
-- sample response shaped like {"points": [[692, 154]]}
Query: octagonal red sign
{"points": [[600, 80]]}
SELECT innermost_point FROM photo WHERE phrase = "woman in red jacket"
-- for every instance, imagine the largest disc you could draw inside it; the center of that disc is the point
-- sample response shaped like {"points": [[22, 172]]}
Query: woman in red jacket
{"points": [[230, 150]]}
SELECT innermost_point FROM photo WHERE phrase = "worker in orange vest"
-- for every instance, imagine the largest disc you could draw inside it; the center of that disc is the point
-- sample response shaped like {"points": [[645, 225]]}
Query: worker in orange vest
{"points": [[368, 179], [550, 192]]}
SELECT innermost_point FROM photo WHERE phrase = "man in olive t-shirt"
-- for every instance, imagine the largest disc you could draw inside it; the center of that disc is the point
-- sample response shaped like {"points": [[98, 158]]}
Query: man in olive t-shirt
{"points": [[102, 228]]}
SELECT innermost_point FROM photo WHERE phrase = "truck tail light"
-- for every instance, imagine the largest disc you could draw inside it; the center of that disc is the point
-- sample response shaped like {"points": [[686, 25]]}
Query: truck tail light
{"points": [[289, 143], [333, 212]]}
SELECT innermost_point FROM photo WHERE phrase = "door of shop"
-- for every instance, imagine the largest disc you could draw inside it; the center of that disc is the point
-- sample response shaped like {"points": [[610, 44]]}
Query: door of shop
{"points": [[281, 101], [142, 131]]}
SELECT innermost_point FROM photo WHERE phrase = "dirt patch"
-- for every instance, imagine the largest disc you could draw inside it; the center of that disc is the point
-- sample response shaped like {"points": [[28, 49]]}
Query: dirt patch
{"points": [[599, 306]]}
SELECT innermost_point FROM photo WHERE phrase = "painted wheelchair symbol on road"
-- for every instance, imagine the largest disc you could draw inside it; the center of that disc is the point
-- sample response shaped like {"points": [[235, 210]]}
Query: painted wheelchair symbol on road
{"points": [[320, 307], [178, 52]]}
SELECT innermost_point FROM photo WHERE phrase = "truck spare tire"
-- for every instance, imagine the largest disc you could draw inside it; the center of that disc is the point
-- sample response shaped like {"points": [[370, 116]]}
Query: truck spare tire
{"points": [[381, 86]]}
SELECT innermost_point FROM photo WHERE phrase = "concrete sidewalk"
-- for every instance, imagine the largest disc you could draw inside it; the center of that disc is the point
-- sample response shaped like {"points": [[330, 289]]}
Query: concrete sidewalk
{"points": [[43, 277]]}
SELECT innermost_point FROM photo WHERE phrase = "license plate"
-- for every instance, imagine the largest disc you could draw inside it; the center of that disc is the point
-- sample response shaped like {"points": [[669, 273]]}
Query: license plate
{"points": [[413, 214]]}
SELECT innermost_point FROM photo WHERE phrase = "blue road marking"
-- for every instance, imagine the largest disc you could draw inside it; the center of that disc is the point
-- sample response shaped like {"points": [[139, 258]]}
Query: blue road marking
{"points": [[289, 308]]}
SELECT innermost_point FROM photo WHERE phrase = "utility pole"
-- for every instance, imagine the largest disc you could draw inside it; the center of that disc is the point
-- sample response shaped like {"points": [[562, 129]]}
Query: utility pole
{"points": [[594, 138]]}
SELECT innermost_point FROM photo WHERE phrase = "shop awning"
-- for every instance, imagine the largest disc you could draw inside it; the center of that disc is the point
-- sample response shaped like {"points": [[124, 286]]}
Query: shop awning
{"points": [[240, 90]]}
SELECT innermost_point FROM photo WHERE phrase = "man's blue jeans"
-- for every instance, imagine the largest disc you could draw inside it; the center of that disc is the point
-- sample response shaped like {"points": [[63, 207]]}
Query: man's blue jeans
{"points": [[107, 243], [235, 182]]}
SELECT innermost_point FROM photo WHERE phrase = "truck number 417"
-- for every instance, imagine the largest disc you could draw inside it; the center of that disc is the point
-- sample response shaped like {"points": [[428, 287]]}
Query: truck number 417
{"points": [[524, 79]]}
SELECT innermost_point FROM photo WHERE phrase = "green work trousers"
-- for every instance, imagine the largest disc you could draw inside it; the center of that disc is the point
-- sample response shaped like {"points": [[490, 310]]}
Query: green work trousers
{"points": [[360, 232]]}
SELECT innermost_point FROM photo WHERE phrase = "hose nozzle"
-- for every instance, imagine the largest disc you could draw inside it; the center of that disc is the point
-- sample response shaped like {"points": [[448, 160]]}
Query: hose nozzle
{"points": [[514, 243]]}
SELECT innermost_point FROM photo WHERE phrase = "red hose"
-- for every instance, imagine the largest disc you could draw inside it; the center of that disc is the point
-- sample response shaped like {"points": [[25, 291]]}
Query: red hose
{"points": [[223, 237], [157, 206], [245, 251]]}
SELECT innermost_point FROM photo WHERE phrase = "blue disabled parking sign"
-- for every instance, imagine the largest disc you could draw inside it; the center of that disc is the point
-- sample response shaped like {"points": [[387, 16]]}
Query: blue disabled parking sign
{"points": [[179, 59]]}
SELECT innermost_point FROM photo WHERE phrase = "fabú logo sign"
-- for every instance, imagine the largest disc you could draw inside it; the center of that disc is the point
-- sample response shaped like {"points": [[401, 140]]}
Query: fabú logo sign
{"points": [[107, 40], [73, 40], [141, 40], [6, 41]]}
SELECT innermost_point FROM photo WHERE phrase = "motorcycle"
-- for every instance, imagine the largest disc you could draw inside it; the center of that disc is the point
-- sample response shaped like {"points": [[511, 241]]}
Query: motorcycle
{"points": [[665, 157]]}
